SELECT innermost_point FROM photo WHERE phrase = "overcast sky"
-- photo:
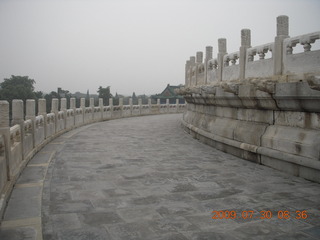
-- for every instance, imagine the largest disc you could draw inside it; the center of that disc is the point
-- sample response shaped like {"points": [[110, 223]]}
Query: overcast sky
{"points": [[131, 45]]}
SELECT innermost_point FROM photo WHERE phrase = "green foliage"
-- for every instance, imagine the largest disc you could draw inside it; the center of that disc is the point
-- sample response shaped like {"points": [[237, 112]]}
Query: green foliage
{"points": [[87, 98], [18, 87], [134, 99], [38, 94], [116, 99], [105, 94]]}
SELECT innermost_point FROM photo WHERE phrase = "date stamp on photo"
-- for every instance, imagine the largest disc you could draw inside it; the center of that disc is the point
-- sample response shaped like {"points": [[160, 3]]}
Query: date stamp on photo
{"points": [[264, 214]]}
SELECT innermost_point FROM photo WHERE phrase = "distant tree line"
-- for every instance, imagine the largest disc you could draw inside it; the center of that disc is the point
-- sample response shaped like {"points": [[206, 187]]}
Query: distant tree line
{"points": [[22, 87]]}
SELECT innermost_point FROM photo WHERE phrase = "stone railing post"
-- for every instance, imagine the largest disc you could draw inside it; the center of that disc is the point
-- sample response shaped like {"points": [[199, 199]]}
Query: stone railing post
{"points": [[222, 43], [140, 105], [17, 112], [177, 105], [18, 118], [199, 57], [192, 64], [55, 105], [82, 103], [91, 105], [199, 60], [121, 106], [209, 50], [282, 33], [131, 105], [168, 104], [5, 132], [63, 104], [83, 107], [111, 106], [187, 67], [245, 44], [101, 107], [63, 107], [73, 107], [159, 105], [73, 104], [31, 109], [121, 102], [149, 105], [42, 110], [31, 114], [54, 109]]}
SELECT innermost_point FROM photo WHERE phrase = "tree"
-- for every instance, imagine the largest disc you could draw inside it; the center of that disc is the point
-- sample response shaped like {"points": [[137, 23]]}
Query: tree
{"points": [[88, 98], [105, 94], [38, 94], [18, 87], [134, 99], [116, 99]]}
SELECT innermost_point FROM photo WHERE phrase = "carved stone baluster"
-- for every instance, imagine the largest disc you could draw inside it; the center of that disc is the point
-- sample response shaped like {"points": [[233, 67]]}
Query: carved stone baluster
{"points": [[215, 65], [261, 55], [306, 46], [289, 49]]}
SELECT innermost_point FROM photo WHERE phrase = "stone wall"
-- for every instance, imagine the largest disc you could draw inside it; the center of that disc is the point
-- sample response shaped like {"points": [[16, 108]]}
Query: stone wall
{"points": [[26, 135], [263, 110]]}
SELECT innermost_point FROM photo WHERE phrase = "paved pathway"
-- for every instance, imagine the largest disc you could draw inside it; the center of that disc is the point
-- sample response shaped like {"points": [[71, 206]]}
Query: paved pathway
{"points": [[144, 178]]}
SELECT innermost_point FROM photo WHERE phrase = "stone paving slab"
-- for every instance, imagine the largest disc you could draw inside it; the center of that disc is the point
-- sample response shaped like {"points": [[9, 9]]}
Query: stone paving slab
{"points": [[144, 178], [22, 219], [18, 233]]}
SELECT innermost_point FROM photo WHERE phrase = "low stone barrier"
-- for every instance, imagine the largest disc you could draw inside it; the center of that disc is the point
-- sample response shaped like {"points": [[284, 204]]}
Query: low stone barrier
{"points": [[26, 135]]}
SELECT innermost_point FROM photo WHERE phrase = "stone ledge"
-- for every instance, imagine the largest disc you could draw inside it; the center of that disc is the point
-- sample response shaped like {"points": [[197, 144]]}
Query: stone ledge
{"points": [[308, 168], [266, 95]]}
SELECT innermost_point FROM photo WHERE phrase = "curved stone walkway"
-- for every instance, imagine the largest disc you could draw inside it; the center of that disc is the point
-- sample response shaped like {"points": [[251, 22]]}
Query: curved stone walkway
{"points": [[144, 178]]}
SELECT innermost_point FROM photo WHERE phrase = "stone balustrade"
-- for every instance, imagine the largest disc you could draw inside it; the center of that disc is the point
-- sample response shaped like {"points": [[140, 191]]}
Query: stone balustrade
{"points": [[263, 109], [298, 64], [26, 135], [263, 65], [236, 66], [231, 69]]}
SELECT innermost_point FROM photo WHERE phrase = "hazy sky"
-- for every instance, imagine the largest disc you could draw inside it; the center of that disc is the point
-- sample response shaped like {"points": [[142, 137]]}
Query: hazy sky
{"points": [[131, 45]]}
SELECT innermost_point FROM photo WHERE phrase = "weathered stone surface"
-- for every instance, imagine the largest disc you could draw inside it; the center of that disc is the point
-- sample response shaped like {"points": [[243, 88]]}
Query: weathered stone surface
{"points": [[161, 185], [18, 233], [274, 120], [180, 192], [255, 115], [298, 119], [263, 109], [301, 142], [19, 207], [297, 96], [249, 132]]}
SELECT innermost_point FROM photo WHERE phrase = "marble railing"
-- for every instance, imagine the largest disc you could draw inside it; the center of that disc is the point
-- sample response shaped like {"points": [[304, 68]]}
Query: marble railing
{"points": [[236, 66], [26, 135], [260, 103]]}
